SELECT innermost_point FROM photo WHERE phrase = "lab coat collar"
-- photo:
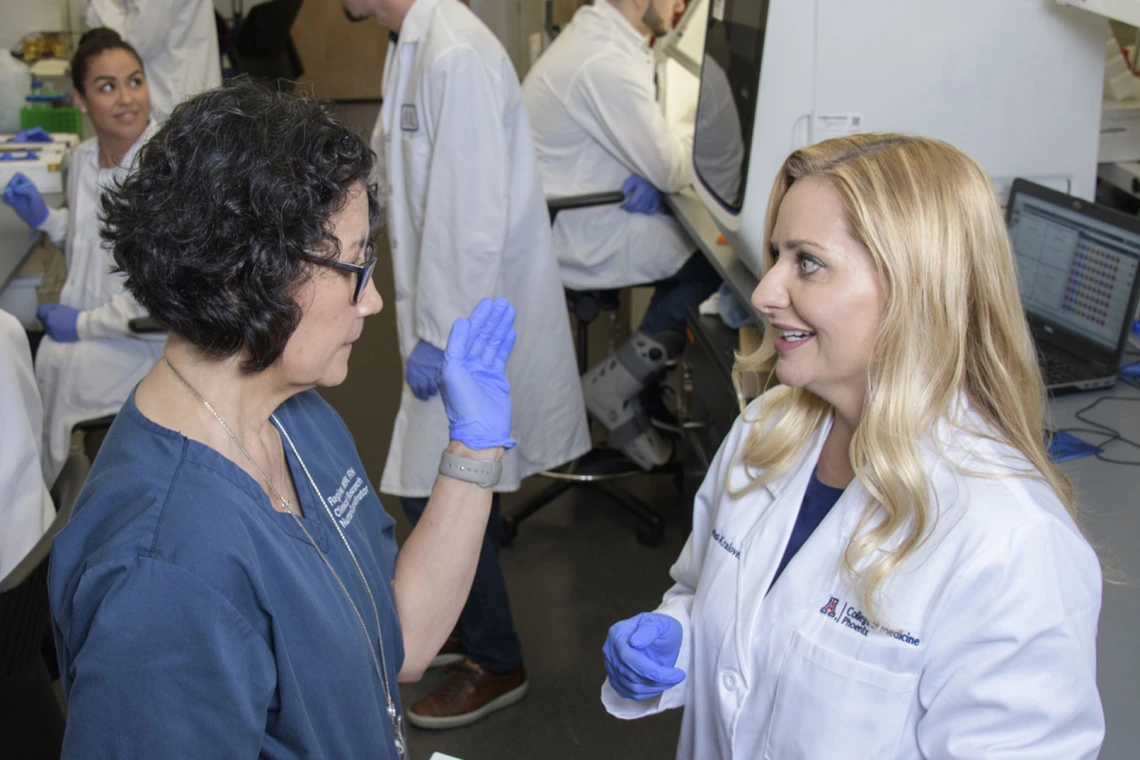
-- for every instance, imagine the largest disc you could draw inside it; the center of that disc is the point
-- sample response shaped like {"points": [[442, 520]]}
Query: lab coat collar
{"points": [[417, 20], [805, 464], [613, 15], [954, 443]]}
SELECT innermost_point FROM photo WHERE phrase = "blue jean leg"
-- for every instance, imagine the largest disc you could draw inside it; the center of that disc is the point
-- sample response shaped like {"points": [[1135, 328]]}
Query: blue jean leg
{"points": [[693, 283], [485, 626]]}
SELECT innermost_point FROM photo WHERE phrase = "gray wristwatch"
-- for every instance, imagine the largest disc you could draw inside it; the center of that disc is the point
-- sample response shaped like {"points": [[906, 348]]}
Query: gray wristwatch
{"points": [[481, 472]]}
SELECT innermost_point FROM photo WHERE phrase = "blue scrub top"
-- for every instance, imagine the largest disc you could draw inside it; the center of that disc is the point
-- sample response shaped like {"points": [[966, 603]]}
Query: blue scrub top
{"points": [[193, 620], [818, 501]]}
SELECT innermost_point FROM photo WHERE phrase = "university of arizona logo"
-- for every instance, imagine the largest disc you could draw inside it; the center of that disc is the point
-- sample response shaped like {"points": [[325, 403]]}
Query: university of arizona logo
{"points": [[855, 620]]}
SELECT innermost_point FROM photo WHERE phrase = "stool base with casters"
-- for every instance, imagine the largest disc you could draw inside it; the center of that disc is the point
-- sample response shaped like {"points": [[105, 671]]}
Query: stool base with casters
{"points": [[598, 469], [595, 471]]}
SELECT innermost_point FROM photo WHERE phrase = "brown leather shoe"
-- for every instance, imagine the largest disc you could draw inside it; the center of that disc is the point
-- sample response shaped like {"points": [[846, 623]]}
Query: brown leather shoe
{"points": [[467, 695], [450, 653]]}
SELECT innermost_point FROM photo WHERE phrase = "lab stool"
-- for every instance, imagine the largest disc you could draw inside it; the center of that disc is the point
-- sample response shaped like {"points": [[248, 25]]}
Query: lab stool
{"points": [[598, 468]]}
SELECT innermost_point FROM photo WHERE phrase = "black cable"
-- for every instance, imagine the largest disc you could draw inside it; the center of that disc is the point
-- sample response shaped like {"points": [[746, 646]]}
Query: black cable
{"points": [[1111, 435]]}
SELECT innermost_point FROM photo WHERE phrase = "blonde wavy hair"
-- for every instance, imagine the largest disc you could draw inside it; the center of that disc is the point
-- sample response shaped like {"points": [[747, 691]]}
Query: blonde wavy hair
{"points": [[953, 325]]}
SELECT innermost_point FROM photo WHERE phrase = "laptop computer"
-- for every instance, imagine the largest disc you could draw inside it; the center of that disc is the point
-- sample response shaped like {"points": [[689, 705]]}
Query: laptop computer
{"points": [[1077, 266]]}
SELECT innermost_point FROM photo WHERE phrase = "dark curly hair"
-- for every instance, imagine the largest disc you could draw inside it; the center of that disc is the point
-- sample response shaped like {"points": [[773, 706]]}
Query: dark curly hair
{"points": [[92, 44], [228, 205]]}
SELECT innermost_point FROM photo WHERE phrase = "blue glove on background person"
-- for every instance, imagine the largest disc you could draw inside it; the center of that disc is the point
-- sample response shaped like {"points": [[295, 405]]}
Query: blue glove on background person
{"points": [[641, 197], [35, 134], [423, 369], [23, 196], [60, 322], [473, 382], [640, 654]]}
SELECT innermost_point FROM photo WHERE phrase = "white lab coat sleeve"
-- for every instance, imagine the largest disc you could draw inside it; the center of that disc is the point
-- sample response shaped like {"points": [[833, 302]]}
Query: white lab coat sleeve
{"points": [[620, 113], [467, 204], [1013, 671], [55, 226], [109, 320], [26, 510], [144, 24], [686, 572]]}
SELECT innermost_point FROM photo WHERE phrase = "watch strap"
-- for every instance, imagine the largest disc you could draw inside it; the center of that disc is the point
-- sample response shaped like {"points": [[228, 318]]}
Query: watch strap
{"points": [[482, 472]]}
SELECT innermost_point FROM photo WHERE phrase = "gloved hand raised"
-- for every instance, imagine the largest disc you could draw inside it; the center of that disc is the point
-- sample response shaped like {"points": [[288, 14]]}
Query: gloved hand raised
{"points": [[641, 197], [473, 382], [640, 654], [423, 370], [23, 196], [59, 322]]}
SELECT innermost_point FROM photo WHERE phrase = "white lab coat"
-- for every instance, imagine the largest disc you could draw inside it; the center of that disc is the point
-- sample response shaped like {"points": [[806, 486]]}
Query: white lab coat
{"points": [[178, 42], [596, 120], [466, 221], [991, 647], [26, 510], [92, 377]]}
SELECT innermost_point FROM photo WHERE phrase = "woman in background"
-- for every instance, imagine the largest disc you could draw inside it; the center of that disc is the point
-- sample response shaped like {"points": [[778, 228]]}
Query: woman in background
{"points": [[884, 563], [90, 360]]}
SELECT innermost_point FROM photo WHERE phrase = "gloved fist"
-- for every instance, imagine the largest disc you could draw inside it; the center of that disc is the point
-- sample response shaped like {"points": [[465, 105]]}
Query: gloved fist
{"points": [[641, 197], [60, 322], [35, 134], [423, 369], [23, 196], [640, 654], [473, 382]]}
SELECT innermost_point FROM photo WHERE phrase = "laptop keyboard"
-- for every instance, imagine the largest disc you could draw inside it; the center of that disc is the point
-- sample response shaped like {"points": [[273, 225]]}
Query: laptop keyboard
{"points": [[1058, 369]]}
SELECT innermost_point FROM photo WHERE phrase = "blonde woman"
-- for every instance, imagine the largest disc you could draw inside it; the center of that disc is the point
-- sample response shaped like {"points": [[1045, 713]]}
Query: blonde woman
{"points": [[883, 563]]}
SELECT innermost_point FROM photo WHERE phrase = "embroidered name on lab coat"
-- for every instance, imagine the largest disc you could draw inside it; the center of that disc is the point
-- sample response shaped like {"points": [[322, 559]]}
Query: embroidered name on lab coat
{"points": [[725, 544], [348, 496], [860, 623], [409, 122]]}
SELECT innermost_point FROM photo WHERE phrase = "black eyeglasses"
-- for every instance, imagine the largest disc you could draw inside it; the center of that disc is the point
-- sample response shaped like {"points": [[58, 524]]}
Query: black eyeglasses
{"points": [[363, 271]]}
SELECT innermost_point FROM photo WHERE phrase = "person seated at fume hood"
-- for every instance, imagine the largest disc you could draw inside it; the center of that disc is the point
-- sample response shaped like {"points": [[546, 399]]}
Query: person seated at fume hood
{"points": [[26, 510], [229, 584], [178, 40], [597, 127], [89, 359], [884, 562]]}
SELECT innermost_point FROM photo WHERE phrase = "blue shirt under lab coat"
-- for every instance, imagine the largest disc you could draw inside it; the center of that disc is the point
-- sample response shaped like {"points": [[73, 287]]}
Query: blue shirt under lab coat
{"points": [[193, 620]]}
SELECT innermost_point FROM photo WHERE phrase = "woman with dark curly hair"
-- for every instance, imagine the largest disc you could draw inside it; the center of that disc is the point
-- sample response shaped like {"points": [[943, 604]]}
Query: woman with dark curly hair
{"points": [[229, 584], [89, 359]]}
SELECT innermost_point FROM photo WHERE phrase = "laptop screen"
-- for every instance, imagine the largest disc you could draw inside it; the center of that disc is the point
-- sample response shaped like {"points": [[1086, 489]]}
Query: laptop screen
{"points": [[1076, 267]]}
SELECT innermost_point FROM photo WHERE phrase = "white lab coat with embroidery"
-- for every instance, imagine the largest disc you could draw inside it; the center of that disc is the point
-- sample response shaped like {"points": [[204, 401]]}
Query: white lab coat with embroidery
{"points": [[26, 510], [177, 40], [91, 377], [466, 221], [596, 120], [993, 622]]}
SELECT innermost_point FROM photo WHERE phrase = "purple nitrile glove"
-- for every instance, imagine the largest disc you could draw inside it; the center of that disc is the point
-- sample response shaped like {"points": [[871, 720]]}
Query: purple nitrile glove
{"points": [[641, 197], [640, 654], [423, 369], [473, 382], [35, 134], [60, 322], [25, 199]]}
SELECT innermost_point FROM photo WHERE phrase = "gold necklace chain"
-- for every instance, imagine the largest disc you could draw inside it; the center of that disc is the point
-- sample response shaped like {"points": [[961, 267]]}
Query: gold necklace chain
{"points": [[379, 664]]}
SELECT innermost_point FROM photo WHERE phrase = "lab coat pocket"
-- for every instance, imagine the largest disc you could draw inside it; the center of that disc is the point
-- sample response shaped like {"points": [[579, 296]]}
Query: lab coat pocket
{"points": [[830, 705], [417, 166]]}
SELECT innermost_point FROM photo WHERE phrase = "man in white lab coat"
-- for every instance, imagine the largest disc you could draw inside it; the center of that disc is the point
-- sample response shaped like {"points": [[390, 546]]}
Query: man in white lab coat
{"points": [[467, 220], [26, 509], [598, 127], [178, 42]]}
